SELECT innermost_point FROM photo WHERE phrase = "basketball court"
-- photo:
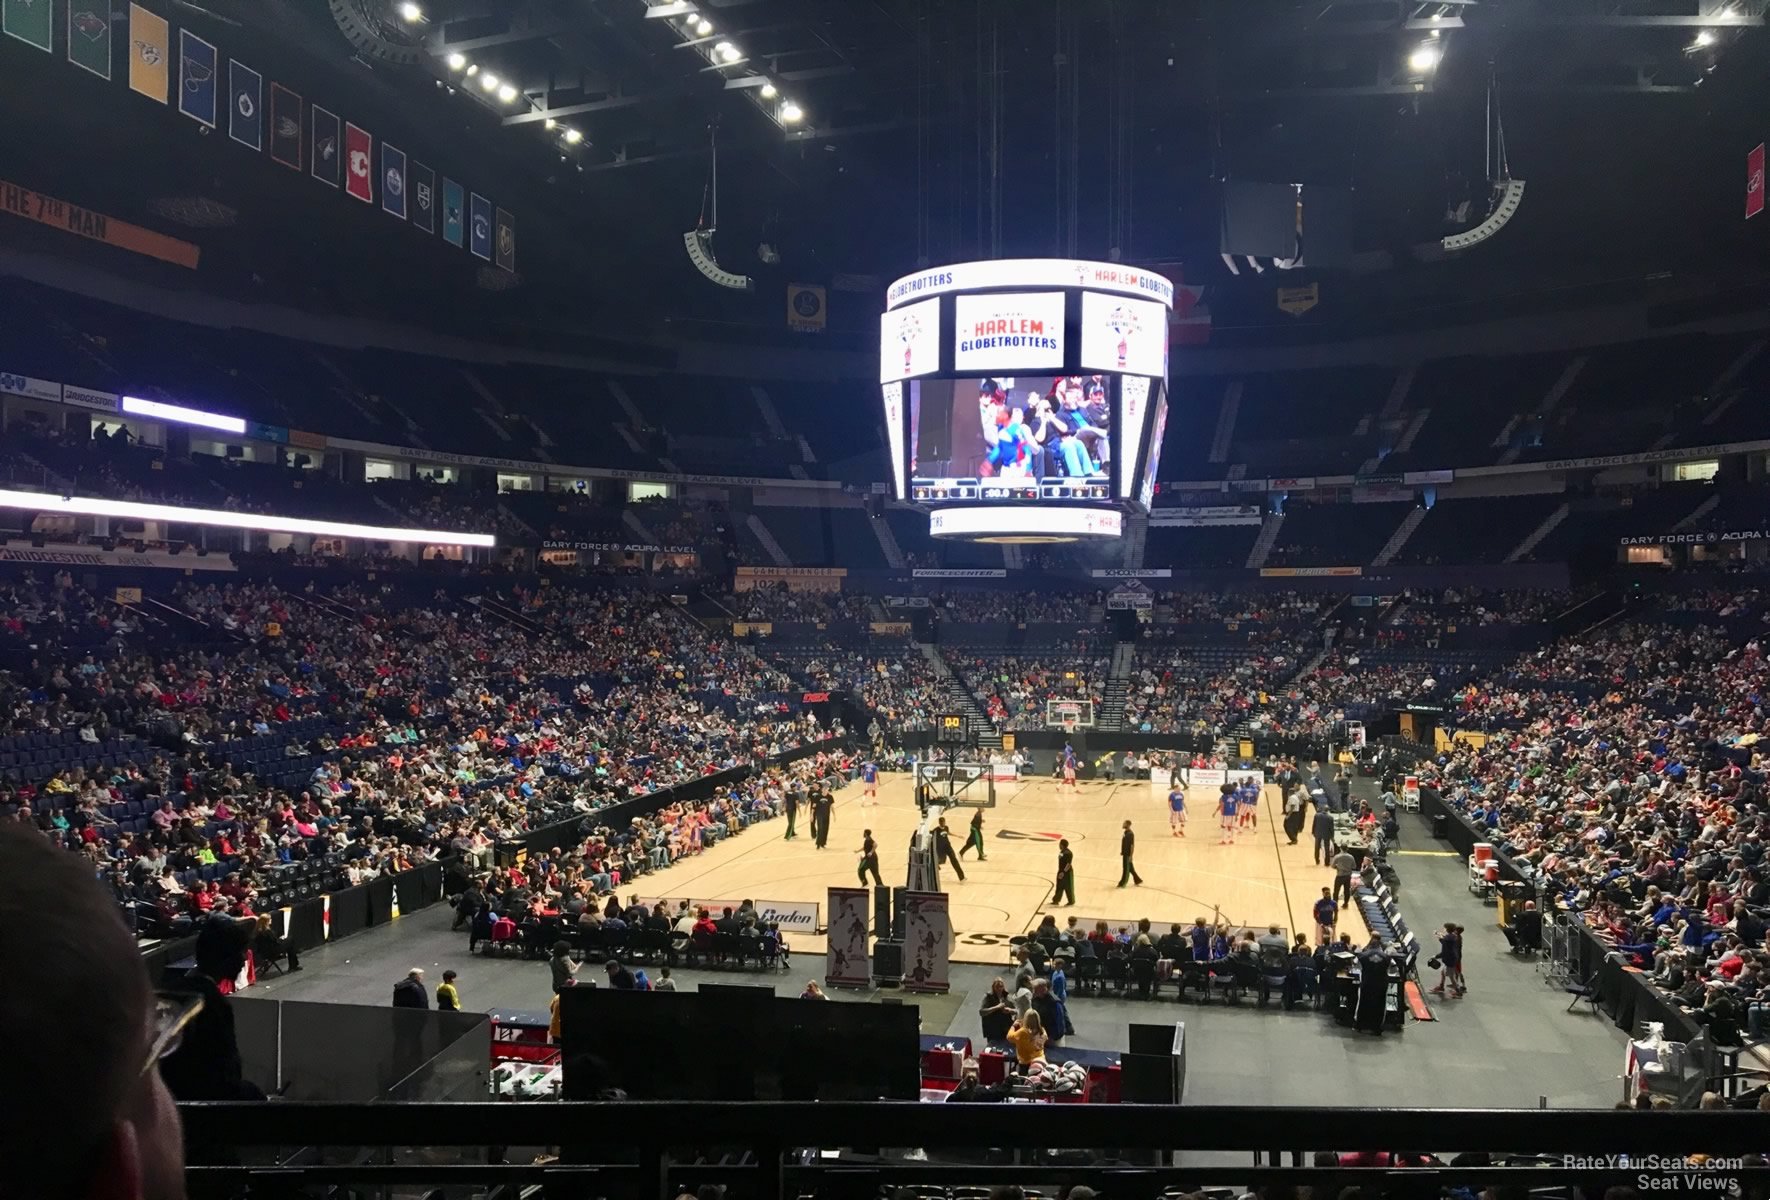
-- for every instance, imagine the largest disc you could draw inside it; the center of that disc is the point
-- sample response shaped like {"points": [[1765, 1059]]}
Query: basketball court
{"points": [[1254, 882]]}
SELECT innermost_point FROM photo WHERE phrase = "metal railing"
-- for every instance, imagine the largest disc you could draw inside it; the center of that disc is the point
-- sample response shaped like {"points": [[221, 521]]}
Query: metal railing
{"points": [[648, 1149]]}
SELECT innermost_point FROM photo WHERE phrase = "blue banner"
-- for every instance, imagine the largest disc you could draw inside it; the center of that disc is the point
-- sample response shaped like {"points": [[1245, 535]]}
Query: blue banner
{"points": [[245, 114], [196, 78], [454, 219], [393, 180], [480, 219]]}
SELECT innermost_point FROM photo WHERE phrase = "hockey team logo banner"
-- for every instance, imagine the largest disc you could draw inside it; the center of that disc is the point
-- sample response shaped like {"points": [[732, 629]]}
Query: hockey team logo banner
{"points": [[423, 185], [89, 37], [479, 227], [328, 150], [504, 241], [928, 942], [1754, 181], [150, 53], [845, 961], [245, 109], [393, 181], [285, 126], [454, 216], [29, 21], [359, 163], [196, 78]]}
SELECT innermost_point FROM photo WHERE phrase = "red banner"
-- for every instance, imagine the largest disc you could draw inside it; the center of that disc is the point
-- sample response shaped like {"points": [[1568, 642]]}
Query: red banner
{"points": [[1754, 181], [358, 168]]}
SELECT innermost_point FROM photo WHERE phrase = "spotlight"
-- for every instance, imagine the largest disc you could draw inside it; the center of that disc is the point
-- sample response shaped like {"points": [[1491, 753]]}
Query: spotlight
{"points": [[791, 113], [457, 60], [573, 136], [489, 82], [507, 93], [1705, 37], [549, 123], [703, 27], [411, 12], [769, 91], [1423, 59], [472, 69]]}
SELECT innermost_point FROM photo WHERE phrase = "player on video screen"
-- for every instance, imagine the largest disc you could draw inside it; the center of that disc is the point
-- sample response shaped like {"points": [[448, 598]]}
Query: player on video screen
{"points": [[1085, 415]]}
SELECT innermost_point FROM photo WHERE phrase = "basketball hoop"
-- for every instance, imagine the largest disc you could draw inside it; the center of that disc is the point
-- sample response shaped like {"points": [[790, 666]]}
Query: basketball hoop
{"points": [[1069, 724]]}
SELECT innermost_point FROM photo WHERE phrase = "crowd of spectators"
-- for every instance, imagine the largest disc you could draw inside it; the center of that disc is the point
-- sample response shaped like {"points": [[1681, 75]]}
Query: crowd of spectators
{"points": [[791, 607], [1178, 689], [1014, 688]]}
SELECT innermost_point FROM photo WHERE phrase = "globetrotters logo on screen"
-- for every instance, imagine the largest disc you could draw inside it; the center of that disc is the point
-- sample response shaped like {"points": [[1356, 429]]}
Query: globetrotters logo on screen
{"points": [[1013, 331], [1123, 321], [909, 341]]}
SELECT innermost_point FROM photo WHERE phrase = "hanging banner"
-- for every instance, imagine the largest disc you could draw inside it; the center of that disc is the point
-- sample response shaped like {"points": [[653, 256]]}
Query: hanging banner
{"points": [[423, 181], [196, 78], [245, 109], [505, 241], [285, 126], [1298, 300], [845, 962], [454, 201], [358, 163], [479, 227], [28, 21], [89, 36], [1754, 181], [150, 53], [393, 181], [805, 308], [83, 222], [327, 151], [928, 942]]}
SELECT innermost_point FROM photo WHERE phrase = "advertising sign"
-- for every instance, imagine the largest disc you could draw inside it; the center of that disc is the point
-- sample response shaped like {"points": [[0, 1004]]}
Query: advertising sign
{"points": [[1122, 334], [909, 341], [1008, 331]]}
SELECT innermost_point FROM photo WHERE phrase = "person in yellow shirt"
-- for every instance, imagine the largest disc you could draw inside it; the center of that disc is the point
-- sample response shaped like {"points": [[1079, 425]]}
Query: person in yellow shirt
{"points": [[1027, 1036], [447, 998]]}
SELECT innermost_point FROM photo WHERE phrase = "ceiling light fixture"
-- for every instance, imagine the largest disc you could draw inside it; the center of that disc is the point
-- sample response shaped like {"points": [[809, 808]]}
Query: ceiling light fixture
{"points": [[1423, 59], [769, 91], [703, 27], [489, 82], [411, 12], [1704, 38], [472, 69], [507, 93], [791, 113], [573, 136], [549, 123], [457, 60]]}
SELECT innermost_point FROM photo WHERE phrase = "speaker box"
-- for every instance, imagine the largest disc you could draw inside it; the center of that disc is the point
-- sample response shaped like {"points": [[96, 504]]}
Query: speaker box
{"points": [[882, 912], [1147, 1079], [887, 961], [899, 919]]}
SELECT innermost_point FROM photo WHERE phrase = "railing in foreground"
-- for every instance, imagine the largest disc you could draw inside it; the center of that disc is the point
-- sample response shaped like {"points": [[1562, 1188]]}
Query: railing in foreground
{"points": [[658, 1150]]}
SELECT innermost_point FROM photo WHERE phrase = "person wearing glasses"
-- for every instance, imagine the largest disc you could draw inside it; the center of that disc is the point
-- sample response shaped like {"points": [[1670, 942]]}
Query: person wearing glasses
{"points": [[89, 1014]]}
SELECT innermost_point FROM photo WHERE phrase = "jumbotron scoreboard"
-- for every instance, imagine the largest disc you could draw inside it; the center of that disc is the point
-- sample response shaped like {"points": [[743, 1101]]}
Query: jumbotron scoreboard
{"points": [[1026, 399]]}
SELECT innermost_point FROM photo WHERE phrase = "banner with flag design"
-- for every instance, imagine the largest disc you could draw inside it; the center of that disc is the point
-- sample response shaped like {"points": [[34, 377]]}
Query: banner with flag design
{"points": [[504, 241], [285, 126], [196, 78], [359, 163], [393, 181], [1754, 181], [89, 36], [423, 181], [328, 151], [245, 109], [479, 227], [150, 53], [29, 21], [454, 200]]}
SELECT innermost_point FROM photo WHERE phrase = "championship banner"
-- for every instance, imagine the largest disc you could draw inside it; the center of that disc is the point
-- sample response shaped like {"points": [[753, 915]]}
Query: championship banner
{"points": [[454, 201], [245, 109], [1754, 181], [83, 222], [358, 160], [806, 310], [928, 942], [327, 150], [28, 21], [506, 241], [423, 181], [285, 126], [196, 78], [393, 181], [479, 227], [845, 962], [89, 36], [150, 53]]}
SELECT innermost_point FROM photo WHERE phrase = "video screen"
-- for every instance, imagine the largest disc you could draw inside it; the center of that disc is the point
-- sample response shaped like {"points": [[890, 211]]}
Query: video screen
{"points": [[1008, 437], [1153, 461]]}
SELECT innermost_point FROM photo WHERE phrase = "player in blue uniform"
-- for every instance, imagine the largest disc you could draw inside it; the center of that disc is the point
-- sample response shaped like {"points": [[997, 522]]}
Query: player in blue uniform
{"points": [[869, 775], [1177, 810], [1250, 803], [1226, 810]]}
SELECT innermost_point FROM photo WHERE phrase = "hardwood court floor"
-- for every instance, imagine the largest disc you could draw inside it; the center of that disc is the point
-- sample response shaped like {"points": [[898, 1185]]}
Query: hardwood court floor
{"points": [[1258, 880]]}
